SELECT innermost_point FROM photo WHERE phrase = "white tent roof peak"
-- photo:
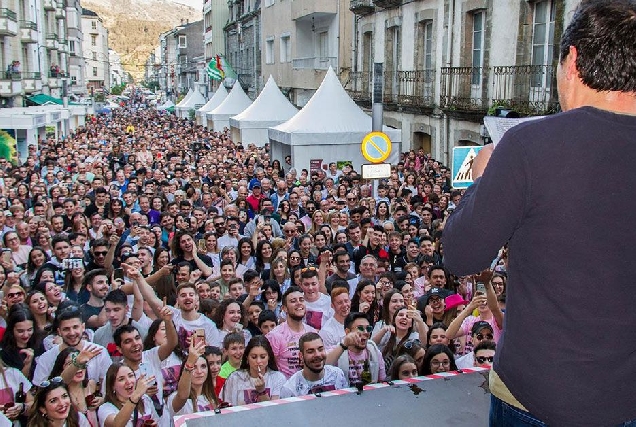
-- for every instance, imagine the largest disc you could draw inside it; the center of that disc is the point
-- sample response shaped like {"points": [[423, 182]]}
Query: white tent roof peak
{"points": [[185, 98], [196, 99], [271, 106], [330, 110], [235, 103], [215, 100]]}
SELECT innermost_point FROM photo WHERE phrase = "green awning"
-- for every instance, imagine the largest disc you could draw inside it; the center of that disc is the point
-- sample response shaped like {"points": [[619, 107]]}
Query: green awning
{"points": [[42, 99], [170, 109]]}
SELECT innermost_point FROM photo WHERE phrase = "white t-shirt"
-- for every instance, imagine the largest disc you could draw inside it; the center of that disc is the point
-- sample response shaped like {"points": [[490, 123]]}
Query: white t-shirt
{"points": [[239, 387], [95, 370], [203, 404], [332, 333], [318, 312], [147, 413], [298, 385], [170, 371], [185, 328], [9, 388]]}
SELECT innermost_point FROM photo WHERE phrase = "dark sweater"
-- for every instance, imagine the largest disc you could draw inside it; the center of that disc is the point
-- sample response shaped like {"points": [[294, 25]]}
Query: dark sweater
{"points": [[561, 191]]}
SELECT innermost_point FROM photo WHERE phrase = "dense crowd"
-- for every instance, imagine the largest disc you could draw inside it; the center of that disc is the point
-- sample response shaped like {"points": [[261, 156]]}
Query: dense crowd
{"points": [[153, 268]]}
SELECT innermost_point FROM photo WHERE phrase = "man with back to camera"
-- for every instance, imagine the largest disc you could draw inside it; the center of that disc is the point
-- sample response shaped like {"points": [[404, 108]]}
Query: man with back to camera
{"points": [[537, 193]]}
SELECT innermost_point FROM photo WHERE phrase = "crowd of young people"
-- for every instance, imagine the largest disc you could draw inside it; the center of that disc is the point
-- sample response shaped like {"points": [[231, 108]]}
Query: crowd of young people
{"points": [[152, 268]]}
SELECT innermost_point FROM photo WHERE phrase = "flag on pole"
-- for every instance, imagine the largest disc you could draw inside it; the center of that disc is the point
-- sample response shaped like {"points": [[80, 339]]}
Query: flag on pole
{"points": [[214, 69], [227, 68]]}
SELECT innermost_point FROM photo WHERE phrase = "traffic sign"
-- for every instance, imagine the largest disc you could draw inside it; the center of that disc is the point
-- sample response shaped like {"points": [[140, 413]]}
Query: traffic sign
{"points": [[463, 158], [376, 147]]}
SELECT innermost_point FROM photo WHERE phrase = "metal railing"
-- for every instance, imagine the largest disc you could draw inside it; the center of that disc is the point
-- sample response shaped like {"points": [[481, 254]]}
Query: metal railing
{"points": [[11, 75], [51, 36], [9, 14], [28, 25], [528, 89], [464, 88], [316, 63], [416, 88], [32, 76], [359, 86], [361, 7]]}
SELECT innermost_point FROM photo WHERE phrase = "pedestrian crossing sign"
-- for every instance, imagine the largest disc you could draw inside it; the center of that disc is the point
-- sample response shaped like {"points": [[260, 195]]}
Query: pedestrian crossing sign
{"points": [[463, 158]]}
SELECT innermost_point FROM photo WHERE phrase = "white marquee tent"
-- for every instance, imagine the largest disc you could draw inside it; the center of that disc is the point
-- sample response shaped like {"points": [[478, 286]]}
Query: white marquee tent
{"points": [[215, 101], [234, 104], [195, 101], [271, 108], [185, 98], [330, 128]]}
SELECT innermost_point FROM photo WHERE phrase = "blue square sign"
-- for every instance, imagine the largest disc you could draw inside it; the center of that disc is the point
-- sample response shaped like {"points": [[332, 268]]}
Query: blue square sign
{"points": [[463, 158]]}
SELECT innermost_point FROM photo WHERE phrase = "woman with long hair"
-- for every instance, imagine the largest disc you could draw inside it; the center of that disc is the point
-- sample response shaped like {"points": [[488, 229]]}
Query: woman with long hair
{"points": [[272, 296], [284, 210], [39, 308], [392, 300], [163, 285], [37, 258], [257, 379], [381, 213], [439, 358], [52, 407], [21, 343], [195, 392], [246, 253], [81, 389], [171, 365], [280, 274], [116, 210], [231, 317], [407, 325], [126, 400], [185, 249], [73, 285], [403, 367], [263, 256], [364, 300]]}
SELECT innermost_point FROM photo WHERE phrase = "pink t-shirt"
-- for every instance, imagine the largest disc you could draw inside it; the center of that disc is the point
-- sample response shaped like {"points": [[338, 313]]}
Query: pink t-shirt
{"points": [[467, 326], [284, 343]]}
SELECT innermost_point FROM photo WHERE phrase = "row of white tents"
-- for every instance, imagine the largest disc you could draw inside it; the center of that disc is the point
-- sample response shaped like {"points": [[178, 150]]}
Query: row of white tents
{"points": [[329, 128]]}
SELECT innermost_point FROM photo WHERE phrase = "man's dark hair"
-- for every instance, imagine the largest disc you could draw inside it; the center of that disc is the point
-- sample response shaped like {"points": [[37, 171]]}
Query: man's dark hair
{"points": [[123, 329], [59, 238], [265, 316], [308, 337], [99, 242], [352, 317], [233, 338], [437, 267], [599, 31], [309, 273], [485, 345], [117, 297], [290, 290], [88, 277]]}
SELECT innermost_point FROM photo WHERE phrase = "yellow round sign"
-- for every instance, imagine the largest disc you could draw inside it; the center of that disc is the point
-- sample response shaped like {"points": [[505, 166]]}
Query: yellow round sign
{"points": [[376, 147]]}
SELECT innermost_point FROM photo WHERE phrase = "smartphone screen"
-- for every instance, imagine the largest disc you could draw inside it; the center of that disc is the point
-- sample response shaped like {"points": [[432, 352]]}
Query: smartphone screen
{"points": [[199, 336], [480, 287]]}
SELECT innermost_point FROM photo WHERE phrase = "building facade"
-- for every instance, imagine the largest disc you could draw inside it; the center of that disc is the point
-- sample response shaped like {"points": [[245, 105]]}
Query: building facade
{"points": [[190, 47], [448, 63], [117, 74], [243, 43], [301, 39], [97, 70]]}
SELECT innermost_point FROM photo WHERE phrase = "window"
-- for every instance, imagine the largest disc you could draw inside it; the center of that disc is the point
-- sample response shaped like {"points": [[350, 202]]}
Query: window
{"points": [[479, 20], [94, 25], [285, 49], [93, 40], [73, 80], [182, 42], [71, 46], [94, 56], [323, 45], [543, 42], [428, 45], [269, 3], [94, 71], [269, 50]]}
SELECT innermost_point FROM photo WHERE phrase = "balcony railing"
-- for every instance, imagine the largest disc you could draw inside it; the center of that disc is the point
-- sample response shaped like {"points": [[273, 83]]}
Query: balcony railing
{"points": [[316, 63], [9, 14], [28, 25], [416, 88], [386, 4], [359, 86], [464, 89], [361, 7], [527, 89], [51, 36], [32, 76], [12, 75]]}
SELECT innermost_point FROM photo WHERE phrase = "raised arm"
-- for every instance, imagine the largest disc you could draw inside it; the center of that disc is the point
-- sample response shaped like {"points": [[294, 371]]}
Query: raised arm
{"points": [[172, 339], [146, 291], [205, 269], [454, 329], [185, 381]]}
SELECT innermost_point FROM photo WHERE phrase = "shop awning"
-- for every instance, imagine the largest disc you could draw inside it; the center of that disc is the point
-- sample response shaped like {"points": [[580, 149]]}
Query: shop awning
{"points": [[42, 99]]}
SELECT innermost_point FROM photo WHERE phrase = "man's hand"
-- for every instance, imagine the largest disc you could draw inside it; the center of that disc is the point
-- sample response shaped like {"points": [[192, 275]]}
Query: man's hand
{"points": [[481, 161]]}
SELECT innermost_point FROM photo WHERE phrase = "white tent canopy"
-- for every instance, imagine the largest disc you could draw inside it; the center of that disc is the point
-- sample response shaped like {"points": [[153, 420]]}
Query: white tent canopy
{"points": [[185, 98], [235, 103], [271, 108], [166, 105], [330, 128], [215, 101], [195, 101]]}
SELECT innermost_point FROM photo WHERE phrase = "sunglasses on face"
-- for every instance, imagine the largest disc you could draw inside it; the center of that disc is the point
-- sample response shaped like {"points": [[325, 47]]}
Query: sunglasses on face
{"points": [[52, 381], [368, 329], [309, 268], [100, 253], [483, 359], [486, 336]]}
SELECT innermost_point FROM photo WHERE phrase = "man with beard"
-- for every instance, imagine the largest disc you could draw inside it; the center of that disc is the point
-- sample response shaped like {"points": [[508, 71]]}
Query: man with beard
{"points": [[284, 338], [130, 344], [315, 377], [332, 331], [187, 319], [357, 356], [71, 330], [343, 264], [98, 285]]}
